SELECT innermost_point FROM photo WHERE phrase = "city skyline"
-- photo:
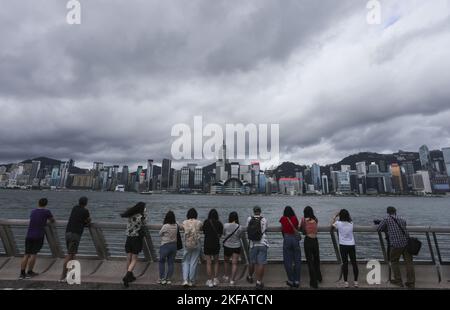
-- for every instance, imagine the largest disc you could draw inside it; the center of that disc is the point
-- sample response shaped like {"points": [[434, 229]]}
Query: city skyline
{"points": [[108, 90]]}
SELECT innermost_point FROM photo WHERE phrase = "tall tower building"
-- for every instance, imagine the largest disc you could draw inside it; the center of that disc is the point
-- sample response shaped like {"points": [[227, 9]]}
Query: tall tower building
{"points": [[166, 173], [397, 178], [425, 159], [149, 177], [446, 153], [315, 176]]}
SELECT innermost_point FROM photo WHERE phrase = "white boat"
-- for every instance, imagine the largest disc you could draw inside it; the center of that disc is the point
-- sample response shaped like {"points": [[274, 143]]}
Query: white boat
{"points": [[120, 188]]}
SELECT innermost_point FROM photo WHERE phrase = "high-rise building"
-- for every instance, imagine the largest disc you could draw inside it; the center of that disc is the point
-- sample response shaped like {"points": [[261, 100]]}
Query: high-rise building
{"points": [[185, 178], [97, 166], [325, 186], [234, 170], [221, 164], [421, 182], [35, 166], [198, 178], [446, 154], [125, 176], [361, 168], [396, 178], [424, 155], [255, 171], [64, 174], [149, 177], [373, 168], [166, 173], [345, 168], [315, 176], [408, 171], [289, 186]]}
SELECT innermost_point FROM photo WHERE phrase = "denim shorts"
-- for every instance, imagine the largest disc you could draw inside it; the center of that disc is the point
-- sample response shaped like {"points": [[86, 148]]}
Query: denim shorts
{"points": [[258, 255]]}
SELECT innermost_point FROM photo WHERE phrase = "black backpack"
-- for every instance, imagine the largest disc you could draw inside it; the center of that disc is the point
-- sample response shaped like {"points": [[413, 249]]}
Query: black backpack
{"points": [[254, 231]]}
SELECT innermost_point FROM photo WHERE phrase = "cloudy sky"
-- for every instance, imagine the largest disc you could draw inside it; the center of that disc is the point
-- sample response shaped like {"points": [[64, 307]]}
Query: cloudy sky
{"points": [[111, 88]]}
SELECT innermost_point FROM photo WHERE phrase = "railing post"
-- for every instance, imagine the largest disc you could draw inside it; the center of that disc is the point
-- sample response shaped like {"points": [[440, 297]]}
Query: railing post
{"points": [[386, 255], [149, 248], [53, 240], [433, 259], [9, 242], [336, 251], [99, 241]]}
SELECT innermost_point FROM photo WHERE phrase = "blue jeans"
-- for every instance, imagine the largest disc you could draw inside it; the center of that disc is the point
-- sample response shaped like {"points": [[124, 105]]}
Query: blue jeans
{"points": [[167, 251], [190, 261], [292, 256]]}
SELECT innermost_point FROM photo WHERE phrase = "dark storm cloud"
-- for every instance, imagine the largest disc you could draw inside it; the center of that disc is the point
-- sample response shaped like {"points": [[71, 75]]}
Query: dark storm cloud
{"points": [[111, 88]]}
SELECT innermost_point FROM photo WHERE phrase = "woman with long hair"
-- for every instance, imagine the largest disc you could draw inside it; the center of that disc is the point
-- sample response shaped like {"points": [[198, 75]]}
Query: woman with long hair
{"points": [[213, 229], [135, 233], [192, 247], [232, 233], [292, 254], [168, 248], [309, 226], [344, 225]]}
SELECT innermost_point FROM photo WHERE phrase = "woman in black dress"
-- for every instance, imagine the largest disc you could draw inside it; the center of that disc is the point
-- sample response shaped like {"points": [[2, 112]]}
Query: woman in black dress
{"points": [[213, 229]]}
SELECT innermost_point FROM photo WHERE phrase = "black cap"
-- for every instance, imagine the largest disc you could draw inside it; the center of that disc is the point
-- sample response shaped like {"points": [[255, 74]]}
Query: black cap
{"points": [[256, 210]]}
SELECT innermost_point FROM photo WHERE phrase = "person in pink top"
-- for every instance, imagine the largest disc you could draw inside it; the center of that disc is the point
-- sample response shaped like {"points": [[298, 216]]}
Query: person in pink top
{"points": [[308, 226]]}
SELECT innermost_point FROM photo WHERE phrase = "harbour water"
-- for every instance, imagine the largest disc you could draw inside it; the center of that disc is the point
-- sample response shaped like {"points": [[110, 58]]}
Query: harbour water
{"points": [[107, 206]]}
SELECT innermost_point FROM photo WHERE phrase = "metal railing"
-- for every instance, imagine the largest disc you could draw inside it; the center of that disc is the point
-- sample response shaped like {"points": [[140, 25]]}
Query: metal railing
{"points": [[101, 248]]}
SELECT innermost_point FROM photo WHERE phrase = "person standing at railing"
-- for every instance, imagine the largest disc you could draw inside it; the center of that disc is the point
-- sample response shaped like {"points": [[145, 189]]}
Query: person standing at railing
{"points": [[135, 237], [344, 225], [213, 230], [192, 247], [398, 240], [168, 248], [309, 226], [292, 255], [232, 232], [256, 233], [35, 237], [79, 218]]}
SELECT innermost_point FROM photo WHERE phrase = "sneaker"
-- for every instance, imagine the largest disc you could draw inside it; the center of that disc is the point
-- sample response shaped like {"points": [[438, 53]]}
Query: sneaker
{"points": [[232, 283], [289, 283], [296, 284], [162, 281], [63, 279], [22, 276], [191, 284], [30, 274], [355, 284], [259, 285], [185, 283], [168, 282], [216, 282], [209, 283], [225, 279], [126, 281], [346, 284], [250, 279]]}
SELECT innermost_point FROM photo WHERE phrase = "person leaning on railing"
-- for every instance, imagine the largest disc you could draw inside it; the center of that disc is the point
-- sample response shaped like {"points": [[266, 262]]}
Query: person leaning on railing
{"points": [[398, 240]]}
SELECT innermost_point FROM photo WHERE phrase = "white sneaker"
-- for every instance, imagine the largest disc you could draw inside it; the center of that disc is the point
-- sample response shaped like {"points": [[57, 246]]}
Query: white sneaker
{"points": [[346, 285], [231, 283], [355, 284], [209, 283], [168, 282], [190, 284], [225, 279], [216, 282], [162, 281], [185, 283]]}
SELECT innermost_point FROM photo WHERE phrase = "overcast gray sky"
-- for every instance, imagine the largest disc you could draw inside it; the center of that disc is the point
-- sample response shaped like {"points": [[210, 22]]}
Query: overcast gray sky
{"points": [[111, 88]]}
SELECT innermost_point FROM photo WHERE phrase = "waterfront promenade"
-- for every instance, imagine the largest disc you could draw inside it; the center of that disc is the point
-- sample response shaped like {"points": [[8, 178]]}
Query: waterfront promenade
{"points": [[104, 271]]}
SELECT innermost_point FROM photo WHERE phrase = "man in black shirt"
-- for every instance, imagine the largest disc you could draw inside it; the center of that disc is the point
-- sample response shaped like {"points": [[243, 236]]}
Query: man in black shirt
{"points": [[79, 218]]}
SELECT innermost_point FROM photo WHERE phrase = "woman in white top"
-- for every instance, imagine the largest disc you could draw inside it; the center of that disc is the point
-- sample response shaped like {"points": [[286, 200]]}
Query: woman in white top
{"points": [[344, 225]]}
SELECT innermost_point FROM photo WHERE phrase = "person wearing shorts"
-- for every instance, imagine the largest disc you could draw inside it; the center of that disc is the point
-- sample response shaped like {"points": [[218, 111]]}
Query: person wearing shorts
{"points": [[79, 218], [232, 233], [35, 238]]}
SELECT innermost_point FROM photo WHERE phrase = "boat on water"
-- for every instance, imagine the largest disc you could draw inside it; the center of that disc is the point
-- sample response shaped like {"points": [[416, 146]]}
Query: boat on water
{"points": [[120, 188], [146, 193]]}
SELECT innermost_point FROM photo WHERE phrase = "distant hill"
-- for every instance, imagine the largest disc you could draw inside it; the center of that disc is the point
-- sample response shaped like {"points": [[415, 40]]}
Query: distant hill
{"points": [[45, 161]]}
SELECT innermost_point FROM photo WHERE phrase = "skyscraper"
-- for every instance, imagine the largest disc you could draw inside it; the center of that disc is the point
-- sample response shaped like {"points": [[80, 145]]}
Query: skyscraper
{"points": [[446, 153], [325, 186], [166, 173], [361, 168], [315, 176], [396, 178], [149, 177], [124, 179], [424, 155]]}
